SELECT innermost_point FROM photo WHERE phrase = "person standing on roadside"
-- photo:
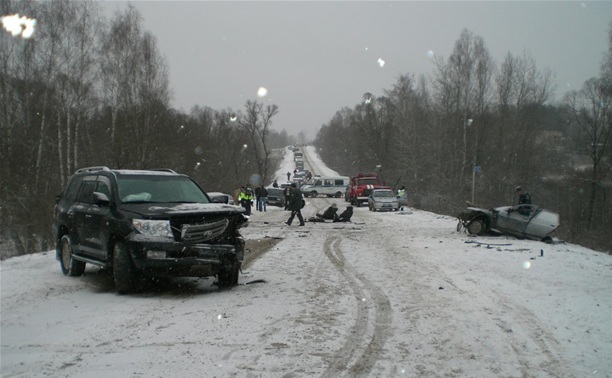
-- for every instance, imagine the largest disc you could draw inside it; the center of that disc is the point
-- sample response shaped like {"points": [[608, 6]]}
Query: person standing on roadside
{"points": [[275, 184], [262, 198], [257, 195], [524, 198], [295, 205], [402, 197], [246, 200], [288, 176]]}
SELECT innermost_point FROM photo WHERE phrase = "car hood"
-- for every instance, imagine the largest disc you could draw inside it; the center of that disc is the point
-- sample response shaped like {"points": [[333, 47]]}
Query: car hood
{"points": [[162, 210]]}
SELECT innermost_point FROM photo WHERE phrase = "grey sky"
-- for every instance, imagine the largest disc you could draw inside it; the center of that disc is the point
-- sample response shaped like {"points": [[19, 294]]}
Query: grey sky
{"points": [[316, 57]]}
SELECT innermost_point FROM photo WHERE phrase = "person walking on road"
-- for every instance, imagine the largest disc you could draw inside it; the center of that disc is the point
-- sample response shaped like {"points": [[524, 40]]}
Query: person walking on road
{"points": [[295, 205]]}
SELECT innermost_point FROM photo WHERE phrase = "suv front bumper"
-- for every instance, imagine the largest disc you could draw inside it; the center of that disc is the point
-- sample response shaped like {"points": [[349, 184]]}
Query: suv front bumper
{"points": [[165, 257]]}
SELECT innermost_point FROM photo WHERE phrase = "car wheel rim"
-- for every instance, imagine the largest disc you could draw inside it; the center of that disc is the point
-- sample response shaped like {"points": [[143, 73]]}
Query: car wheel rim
{"points": [[66, 255]]}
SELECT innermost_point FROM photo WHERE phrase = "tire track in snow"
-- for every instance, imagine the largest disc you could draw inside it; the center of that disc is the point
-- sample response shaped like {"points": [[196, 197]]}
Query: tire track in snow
{"points": [[368, 334], [542, 342]]}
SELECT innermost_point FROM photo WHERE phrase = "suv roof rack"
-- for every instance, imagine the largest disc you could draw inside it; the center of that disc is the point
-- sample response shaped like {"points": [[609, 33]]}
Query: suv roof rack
{"points": [[163, 170], [93, 169]]}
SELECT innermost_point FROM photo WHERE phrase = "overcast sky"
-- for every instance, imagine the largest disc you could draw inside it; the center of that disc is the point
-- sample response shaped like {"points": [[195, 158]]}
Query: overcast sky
{"points": [[316, 57]]}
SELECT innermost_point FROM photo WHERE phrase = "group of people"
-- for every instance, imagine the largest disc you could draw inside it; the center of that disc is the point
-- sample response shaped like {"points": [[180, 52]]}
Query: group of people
{"points": [[296, 202], [332, 214], [247, 196]]}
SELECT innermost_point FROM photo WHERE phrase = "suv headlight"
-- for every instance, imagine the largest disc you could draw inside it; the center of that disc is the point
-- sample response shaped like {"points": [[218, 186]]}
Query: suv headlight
{"points": [[159, 228]]}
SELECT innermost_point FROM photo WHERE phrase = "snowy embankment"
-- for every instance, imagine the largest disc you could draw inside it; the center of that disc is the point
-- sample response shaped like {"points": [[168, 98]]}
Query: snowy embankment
{"points": [[391, 294]]}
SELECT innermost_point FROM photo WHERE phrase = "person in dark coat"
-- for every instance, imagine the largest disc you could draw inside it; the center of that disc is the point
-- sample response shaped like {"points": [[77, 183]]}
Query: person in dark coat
{"points": [[262, 198], [295, 205], [524, 198], [275, 184], [257, 195], [346, 215], [330, 213]]}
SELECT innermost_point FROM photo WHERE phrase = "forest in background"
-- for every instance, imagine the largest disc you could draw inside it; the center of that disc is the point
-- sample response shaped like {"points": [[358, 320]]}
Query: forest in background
{"points": [[474, 131], [85, 91]]}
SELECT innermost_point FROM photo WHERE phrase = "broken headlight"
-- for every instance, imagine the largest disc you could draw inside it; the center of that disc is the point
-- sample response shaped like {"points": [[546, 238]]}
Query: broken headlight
{"points": [[159, 228]]}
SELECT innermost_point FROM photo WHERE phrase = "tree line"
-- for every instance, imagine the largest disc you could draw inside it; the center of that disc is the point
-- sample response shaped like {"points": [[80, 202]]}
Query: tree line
{"points": [[474, 131], [84, 91]]}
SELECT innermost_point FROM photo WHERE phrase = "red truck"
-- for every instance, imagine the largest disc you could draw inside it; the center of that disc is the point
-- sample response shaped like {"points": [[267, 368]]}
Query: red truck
{"points": [[361, 185]]}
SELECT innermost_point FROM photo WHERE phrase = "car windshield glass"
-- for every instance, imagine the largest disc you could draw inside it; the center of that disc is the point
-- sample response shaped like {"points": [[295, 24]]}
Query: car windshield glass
{"points": [[384, 194], [167, 189]]}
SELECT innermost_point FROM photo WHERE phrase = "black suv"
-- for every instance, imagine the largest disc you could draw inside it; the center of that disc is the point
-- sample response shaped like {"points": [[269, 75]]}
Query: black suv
{"points": [[153, 222]]}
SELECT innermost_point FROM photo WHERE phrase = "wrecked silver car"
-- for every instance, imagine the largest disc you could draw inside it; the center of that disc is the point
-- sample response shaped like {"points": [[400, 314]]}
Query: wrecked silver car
{"points": [[521, 221]]}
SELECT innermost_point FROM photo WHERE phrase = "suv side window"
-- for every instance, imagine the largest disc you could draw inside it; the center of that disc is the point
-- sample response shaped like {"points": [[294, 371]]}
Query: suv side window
{"points": [[86, 192], [103, 186], [73, 189]]}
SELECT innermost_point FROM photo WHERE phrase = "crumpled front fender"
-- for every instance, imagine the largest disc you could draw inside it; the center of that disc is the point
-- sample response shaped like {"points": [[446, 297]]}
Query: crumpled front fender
{"points": [[471, 213]]}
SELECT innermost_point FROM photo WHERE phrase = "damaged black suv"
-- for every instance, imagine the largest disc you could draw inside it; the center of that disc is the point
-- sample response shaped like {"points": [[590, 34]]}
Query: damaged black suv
{"points": [[146, 223]]}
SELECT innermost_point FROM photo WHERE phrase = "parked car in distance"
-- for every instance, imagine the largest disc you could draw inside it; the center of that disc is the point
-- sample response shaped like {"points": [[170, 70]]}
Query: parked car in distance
{"points": [[521, 221], [276, 196], [299, 175], [146, 223], [383, 199], [218, 197]]}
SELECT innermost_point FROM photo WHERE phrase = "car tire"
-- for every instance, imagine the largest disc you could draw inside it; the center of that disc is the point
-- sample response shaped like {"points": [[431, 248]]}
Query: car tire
{"points": [[476, 227], [314, 194], [124, 270], [338, 194], [70, 266]]}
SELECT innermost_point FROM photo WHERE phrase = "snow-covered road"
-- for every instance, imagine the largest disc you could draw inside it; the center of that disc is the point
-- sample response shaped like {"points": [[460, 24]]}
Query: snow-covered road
{"points": [[391, 294]]}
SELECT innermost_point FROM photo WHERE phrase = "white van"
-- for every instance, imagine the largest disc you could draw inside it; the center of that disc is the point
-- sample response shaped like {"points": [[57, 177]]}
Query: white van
{"points": [[331, 186]]}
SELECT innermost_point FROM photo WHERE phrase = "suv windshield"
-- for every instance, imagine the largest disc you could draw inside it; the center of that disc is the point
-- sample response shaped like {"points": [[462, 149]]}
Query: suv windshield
{"points": [[149, 188]]}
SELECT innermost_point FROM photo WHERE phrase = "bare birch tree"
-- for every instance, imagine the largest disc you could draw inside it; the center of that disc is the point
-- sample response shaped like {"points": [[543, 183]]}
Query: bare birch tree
{"points": [[590, 110], [464, 88], [256, 123]]}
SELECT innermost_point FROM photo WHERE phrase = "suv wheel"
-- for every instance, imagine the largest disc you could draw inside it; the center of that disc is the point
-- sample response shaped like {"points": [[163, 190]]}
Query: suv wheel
{"points": [[124, 271], [70, 266]]}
